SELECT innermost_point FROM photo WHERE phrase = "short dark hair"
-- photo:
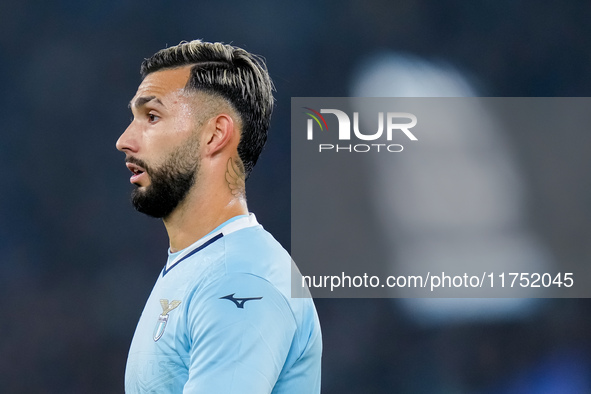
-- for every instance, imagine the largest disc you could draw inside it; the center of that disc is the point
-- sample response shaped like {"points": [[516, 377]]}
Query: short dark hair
{"points": [[232, 73]]}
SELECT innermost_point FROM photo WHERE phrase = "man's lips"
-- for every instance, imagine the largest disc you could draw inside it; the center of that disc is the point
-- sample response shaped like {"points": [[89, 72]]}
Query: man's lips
{"points": [[137, 171]]}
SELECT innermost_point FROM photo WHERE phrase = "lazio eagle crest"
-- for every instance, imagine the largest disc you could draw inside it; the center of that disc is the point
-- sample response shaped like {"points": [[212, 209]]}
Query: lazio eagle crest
{"points": [[163, 318]]}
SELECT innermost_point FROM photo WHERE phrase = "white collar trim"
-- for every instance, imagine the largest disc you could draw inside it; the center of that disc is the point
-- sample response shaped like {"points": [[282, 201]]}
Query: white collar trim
{"points": [[235, 225]]}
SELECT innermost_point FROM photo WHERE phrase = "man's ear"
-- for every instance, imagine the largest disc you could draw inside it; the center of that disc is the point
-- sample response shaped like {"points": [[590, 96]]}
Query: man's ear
{"points": [[221, 132]]}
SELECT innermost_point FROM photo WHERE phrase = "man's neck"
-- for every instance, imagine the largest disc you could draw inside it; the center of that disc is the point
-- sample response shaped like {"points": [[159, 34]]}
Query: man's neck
{"points": [[197, 216]]}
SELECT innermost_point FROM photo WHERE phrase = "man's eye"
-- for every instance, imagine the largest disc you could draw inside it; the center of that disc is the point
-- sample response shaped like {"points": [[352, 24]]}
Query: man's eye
{"points": [[153, 118]]}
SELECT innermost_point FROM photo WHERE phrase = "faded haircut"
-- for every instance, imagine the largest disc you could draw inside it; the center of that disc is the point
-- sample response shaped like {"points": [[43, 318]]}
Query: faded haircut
{"points": [[232, 73]]}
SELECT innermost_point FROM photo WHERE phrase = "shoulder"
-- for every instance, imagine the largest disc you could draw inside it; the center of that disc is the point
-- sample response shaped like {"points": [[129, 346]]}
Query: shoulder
{"points": [[243, 292], [237, 270], [254, 249], [240, 307], [248, 255], [245, 274]]}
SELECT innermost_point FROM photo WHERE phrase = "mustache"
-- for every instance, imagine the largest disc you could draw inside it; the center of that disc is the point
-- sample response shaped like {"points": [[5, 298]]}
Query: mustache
{"points": [[139, 162]]}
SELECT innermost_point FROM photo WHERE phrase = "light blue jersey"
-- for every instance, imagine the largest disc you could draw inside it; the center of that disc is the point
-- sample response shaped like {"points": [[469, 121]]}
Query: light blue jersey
{"points": [[220, 319]]}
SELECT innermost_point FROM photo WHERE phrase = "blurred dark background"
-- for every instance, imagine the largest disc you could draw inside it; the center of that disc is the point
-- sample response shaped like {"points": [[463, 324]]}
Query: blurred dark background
{"points": [[77, 262]]}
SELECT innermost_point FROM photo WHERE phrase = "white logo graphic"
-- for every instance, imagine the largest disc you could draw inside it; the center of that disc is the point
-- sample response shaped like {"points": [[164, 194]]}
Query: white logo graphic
{"points": [[393, 121]]}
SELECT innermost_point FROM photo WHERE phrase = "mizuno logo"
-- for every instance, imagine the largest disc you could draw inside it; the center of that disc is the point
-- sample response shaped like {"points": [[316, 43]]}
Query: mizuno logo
{"points": [[239, 301]]}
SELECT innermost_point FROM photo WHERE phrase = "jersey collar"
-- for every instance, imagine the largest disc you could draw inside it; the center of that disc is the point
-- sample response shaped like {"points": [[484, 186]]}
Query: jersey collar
{"points": [[234, 224]]}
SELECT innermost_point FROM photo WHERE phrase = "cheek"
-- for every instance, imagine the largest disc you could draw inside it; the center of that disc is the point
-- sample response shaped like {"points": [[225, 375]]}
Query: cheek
{"points": [[179, 130], [164, 138]]}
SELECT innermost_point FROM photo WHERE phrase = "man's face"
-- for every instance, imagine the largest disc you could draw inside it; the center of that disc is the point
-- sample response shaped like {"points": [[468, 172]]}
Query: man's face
{"points": [[161, 144]]}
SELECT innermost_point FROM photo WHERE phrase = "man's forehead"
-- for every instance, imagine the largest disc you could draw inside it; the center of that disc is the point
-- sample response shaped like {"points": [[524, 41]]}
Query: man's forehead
{"points": [[159, 84]]}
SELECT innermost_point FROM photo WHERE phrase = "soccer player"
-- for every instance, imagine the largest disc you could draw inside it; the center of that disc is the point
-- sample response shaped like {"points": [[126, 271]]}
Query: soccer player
{"points": [[220, 318]]}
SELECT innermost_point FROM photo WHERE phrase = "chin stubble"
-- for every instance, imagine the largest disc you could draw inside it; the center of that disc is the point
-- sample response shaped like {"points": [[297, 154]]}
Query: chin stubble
{"points": [[170, 182]]}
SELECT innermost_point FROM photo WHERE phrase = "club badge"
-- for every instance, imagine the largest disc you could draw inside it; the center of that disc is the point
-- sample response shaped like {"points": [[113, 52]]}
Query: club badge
{"points": [[163, 318]]}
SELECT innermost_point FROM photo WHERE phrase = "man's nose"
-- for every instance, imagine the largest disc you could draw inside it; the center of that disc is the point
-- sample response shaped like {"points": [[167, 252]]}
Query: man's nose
{"points": [[127, 142]]}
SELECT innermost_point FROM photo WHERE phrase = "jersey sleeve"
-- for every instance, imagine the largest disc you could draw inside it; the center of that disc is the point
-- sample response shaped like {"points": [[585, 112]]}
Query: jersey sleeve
{"points": [[240, 331]]}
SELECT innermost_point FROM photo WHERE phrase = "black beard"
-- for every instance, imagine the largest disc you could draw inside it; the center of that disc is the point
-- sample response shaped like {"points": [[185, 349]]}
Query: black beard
{"points": [[170, 184]]}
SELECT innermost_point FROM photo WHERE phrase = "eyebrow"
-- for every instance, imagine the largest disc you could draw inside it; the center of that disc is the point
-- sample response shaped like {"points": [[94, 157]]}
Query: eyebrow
{"points": [[143, 100]]}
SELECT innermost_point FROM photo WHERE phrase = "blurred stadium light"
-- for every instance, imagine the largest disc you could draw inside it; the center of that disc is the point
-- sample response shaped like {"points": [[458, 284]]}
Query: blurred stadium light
{"points": [[468, 189]]}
